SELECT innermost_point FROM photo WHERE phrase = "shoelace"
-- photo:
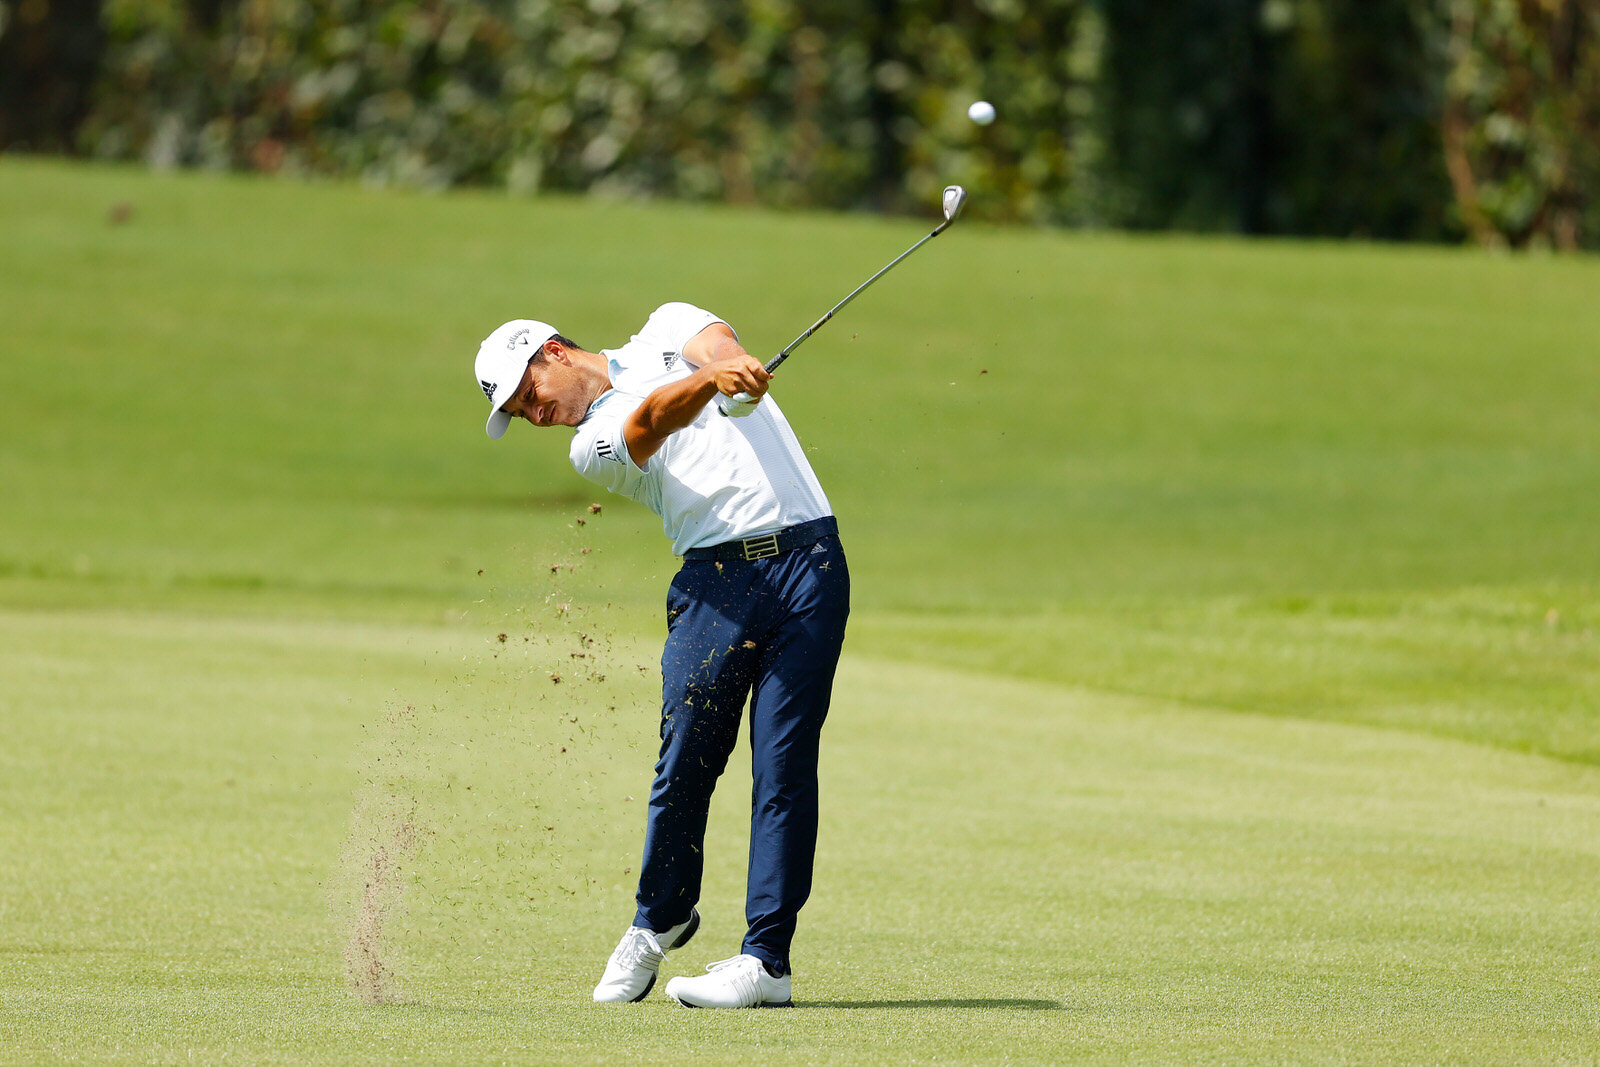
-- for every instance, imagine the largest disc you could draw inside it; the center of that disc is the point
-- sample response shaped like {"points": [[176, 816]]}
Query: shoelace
{"points": [[639, 946]]}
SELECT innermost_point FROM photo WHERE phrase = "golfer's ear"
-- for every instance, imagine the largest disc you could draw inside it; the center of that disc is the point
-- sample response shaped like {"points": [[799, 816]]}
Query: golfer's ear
{"points": [[555, 350]]}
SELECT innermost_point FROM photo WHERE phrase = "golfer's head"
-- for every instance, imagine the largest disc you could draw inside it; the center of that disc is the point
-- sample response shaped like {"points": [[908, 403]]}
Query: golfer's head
{"points": [[502, 361]]}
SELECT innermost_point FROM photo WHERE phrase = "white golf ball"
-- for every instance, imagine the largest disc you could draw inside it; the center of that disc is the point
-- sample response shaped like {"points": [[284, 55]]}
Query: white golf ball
{"points": [[981, 112]]}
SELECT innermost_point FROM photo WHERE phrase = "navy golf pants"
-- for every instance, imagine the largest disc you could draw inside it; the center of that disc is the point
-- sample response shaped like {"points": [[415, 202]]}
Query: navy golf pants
{"points": [[771, 630]]}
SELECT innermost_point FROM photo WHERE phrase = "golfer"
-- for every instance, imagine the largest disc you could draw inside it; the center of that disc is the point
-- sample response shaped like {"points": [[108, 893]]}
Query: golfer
{"points": [[757, 611]]}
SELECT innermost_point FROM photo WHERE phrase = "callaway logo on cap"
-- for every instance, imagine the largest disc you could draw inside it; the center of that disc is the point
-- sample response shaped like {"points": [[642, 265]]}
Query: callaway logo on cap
{"points": [[502, 358]]}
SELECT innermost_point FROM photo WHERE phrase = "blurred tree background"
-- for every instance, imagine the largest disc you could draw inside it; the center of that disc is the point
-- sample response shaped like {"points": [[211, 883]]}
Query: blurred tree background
{"points": [[1392, 119]]}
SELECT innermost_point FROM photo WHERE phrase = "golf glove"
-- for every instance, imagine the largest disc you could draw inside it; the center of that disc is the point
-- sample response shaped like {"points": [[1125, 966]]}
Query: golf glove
{"points": [[736, 406]]}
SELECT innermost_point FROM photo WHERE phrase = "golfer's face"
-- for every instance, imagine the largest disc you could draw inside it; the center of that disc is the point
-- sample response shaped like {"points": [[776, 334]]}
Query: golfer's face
{"points": [[547, 395]]}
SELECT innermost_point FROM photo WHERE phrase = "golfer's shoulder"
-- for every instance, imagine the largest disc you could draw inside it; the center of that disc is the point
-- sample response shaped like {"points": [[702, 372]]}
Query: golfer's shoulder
{"points": [[675, 323]]}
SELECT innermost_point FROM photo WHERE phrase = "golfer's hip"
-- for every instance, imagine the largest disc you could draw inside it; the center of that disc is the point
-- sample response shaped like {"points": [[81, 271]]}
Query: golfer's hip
{"points": [[767, 545]]}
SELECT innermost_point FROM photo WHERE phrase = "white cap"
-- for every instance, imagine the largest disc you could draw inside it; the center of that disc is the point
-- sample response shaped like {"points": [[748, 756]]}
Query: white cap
{"points": [[502, 358]]}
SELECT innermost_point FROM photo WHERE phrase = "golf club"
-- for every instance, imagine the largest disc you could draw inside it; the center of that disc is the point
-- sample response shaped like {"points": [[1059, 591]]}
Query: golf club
{"points": [[954, 198]]}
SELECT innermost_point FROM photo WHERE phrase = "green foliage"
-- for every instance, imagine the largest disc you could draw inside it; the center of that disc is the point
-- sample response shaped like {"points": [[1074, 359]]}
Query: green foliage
{"points": [[775, 101], [1037, 62], [49, 55], [1355, 109], [1275, 116], [1522, 122], [1396, 119]]}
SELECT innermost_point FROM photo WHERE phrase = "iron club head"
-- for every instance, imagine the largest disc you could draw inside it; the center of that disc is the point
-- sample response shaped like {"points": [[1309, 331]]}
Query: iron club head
{"points": [[954, 197]]}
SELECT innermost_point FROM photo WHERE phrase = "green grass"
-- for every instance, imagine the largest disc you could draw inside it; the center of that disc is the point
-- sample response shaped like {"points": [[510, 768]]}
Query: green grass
{"points": [[1221, 686]]}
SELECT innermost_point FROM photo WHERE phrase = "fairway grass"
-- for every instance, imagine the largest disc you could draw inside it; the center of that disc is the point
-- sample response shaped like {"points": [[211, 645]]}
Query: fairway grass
{"points": [[1221, 684], [1009, 870]]}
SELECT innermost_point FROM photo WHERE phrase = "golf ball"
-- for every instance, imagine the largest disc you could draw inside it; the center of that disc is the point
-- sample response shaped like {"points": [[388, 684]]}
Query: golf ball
{"points": [[982, 112]]}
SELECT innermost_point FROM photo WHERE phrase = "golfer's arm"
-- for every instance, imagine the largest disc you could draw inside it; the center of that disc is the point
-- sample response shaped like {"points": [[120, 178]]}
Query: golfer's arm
{"points": [[677, 404], [666, 411]]}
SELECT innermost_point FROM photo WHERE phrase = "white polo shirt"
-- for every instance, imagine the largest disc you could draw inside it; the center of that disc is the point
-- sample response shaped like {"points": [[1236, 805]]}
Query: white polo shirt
{"points": [[718, 479]]}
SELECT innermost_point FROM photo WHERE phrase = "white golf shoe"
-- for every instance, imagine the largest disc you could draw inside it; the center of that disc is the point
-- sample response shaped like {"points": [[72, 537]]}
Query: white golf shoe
{"points": [[742, 982], [631, 971]]}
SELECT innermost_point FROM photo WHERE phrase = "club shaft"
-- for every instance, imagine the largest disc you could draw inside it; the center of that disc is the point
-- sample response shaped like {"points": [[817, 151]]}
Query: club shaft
{"points": [[772, 364]]}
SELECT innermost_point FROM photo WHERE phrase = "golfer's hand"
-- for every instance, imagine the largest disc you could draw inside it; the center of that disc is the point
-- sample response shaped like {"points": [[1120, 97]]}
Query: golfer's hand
{"points": [[742, 374]]}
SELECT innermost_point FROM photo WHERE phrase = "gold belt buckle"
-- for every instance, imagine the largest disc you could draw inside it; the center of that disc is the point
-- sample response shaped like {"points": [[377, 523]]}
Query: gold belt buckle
{"points": [[761, 547]]}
